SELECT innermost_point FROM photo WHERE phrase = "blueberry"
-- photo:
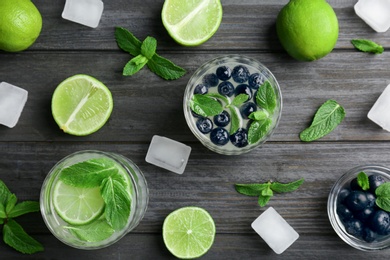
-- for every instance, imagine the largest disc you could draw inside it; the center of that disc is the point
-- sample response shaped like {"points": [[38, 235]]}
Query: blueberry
{"points": [[219, 136], [201, 89], [365, 214], [343, 194], [240, 74], [375, 181], [354, 185], [371, 199], [368, 235], [243, 89], [380, 222], [224, 73], [354, 227], [256, 80], [222, 119], [204, 125], [226, 88], [247, 108], [356, 201], [344, 213], [239, 138], [210, 80]]}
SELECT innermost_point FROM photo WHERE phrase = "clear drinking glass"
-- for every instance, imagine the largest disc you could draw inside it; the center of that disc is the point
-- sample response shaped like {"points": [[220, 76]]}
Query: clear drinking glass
{"points": [[138, 193]]}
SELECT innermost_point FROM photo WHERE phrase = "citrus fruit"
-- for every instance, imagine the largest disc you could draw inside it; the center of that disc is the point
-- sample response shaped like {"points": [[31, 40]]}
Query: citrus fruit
{"points": [[20, 24], [307, 29], [75, 205], [81, 105], [188, 232], [191, 23]]}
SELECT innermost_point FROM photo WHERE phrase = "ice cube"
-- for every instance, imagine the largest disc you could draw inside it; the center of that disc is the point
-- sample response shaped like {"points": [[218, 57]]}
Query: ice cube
{"points": [[275, 231], [379, 113], [12, 101], [376, 13], [85, 12], [168, 154]]}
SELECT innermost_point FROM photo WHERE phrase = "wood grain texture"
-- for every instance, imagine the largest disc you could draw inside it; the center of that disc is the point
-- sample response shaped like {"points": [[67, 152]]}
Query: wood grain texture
{"points": [[145, 105]]}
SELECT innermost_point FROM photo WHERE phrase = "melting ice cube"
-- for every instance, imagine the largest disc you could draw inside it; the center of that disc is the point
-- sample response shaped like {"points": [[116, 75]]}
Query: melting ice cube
{"points": [[85, 12], [275, 231], [380, 111], [376, 13], [168, 154], [12, 100]]}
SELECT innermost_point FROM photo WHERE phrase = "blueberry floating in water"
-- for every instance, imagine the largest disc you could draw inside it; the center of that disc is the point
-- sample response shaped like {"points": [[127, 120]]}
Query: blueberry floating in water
{"points": [[343, 194], [239, 138], [368, 235], [354, 227], [219, 136], [224, 73], [222, 119], [356, 201], [226, 88], [204, 125], [343, 212], [365, 214], [247, 108], [375, 181], [201, 89], [243, 89], [256, 80], [240, 74], [380, 222], [211, 80]]}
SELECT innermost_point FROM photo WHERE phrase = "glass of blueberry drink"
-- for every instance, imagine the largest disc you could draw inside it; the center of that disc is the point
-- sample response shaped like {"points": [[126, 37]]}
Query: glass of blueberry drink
{"points": [[232, 104], [359, 207]]}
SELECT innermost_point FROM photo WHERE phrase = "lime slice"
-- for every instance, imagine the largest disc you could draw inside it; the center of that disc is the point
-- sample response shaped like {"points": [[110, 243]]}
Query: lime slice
{"points": [[77, 206], [81, 105], [188, 232], [191, 23]]}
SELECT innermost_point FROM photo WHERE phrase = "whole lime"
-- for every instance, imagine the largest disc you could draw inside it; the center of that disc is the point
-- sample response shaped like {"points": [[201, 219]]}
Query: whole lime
{"points": [[307, 29], [20, 24]]}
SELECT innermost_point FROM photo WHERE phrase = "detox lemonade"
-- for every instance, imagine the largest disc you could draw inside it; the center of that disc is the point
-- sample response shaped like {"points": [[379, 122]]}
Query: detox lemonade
{"points": [[91, 199]]}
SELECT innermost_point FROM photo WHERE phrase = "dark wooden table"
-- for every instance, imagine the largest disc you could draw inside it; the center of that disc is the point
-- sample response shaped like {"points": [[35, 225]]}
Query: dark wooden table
{"points": [[146, 105]]}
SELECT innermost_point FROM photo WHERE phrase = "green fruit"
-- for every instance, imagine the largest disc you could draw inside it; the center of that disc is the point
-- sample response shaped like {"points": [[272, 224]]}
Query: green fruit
{"points": [[307, 29], [20, 24]]}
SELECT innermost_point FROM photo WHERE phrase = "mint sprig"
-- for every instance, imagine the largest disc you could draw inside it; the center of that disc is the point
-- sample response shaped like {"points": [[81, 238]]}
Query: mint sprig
{"points": [[383, 196], [367, 46], [13, 234], [327, 118], [264, 191], [362, 180], [145, 54]]}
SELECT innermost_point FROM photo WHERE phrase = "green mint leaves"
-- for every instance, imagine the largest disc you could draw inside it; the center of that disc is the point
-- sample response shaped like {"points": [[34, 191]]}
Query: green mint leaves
{"points": [[326, 119], [145, 54], [383, 196], [367, 46], [362, 180], [13, 234], [103, 173], [264, 191]]}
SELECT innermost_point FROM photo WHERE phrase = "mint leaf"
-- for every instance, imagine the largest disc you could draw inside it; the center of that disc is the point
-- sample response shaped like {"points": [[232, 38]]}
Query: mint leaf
{"points": [[24, 207], [88, 174], [15, 236], [362, 180], [4, 193], [383, 196], [235, 120], [263, 200], [134, 65], [286, 187], [11, 203], [165, 68], [117, 199], [205, 105], [253, 189], [367, 46], [240, 99], [219, 97], [258, 129], [148, 47], [2, 212], [326, 119], [259, 115], [127, 41], [266, 97], [267, 192], [94, 232]]}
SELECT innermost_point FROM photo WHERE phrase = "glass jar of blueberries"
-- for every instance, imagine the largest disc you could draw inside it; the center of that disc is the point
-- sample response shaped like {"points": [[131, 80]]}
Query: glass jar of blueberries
{"points": [[232, 104], [354, 212]]}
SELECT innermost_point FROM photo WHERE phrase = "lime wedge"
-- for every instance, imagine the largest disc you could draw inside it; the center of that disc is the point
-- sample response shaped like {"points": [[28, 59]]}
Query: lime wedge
{"points": [[77, 206], [188, 232], [81, 105], [191, 23]]}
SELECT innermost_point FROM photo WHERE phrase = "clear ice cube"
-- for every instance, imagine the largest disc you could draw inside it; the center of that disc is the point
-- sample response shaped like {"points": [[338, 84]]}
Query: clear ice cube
{"points": [[168, 154], [274, 230], [376, 13], [85, 12], [12, 101], [379, 113]]}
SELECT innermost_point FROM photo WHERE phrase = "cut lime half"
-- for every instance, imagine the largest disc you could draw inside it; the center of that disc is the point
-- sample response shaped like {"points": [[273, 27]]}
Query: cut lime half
{"points": [[188, 232], [81, 105], [77, 206], [191, 23]]}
